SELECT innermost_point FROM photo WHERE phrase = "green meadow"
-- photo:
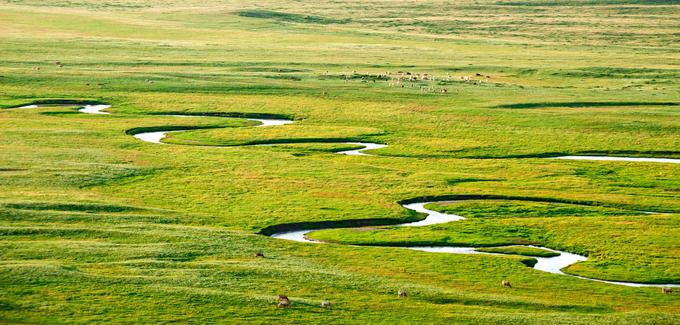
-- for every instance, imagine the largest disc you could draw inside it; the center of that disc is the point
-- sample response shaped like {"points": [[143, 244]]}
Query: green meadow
{"points": [[97, 226]]}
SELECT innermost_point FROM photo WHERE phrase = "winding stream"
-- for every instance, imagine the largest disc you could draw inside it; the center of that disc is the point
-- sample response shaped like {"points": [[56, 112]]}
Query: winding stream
{"points": [[359, 152], [88, 109], [157, 136], [552, 265], [94, 109]]}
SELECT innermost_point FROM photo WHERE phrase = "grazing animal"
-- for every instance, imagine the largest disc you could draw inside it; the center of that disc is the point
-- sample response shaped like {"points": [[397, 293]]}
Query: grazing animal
{"points": [[259, 254], [667, 290], [402, 293], [283, 301], [326, 304], [506, 283]]}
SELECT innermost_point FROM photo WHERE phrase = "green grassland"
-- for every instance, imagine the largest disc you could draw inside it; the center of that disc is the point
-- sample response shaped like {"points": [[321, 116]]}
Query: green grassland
{"points": [[560, 226], [97, 226], [518, 250]]}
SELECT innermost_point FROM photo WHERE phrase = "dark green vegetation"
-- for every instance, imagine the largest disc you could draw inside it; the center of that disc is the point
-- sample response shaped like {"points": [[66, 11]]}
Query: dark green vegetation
{"points": [[288, 17], [96, 226], [585, 104], [556, 225]]}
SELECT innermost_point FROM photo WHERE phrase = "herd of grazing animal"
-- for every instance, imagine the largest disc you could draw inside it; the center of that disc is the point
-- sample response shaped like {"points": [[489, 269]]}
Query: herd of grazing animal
{"points": [[404, 79], [284, 302], [398, 79]]}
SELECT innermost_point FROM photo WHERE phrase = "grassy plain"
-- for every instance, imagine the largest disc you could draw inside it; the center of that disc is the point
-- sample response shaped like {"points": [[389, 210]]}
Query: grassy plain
{"points": [[96, 226]]}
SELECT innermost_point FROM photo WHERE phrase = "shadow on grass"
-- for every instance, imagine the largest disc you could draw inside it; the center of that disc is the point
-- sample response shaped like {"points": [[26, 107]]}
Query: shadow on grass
{"points": [[230, 114], [415, 216], [465, 197], [351, 223], [290, 17], [583, 104], [144, 129], [520, 305], [74, 207], [303, 140], [456, 181], [613, 153]]}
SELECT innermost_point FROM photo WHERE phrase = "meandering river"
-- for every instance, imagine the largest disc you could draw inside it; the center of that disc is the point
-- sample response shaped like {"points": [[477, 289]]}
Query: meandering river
{"points": [[553, 264]]}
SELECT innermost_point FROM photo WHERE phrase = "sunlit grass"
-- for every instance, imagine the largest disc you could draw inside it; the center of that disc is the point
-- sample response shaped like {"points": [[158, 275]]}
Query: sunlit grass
{"points": [[97, 226]]}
